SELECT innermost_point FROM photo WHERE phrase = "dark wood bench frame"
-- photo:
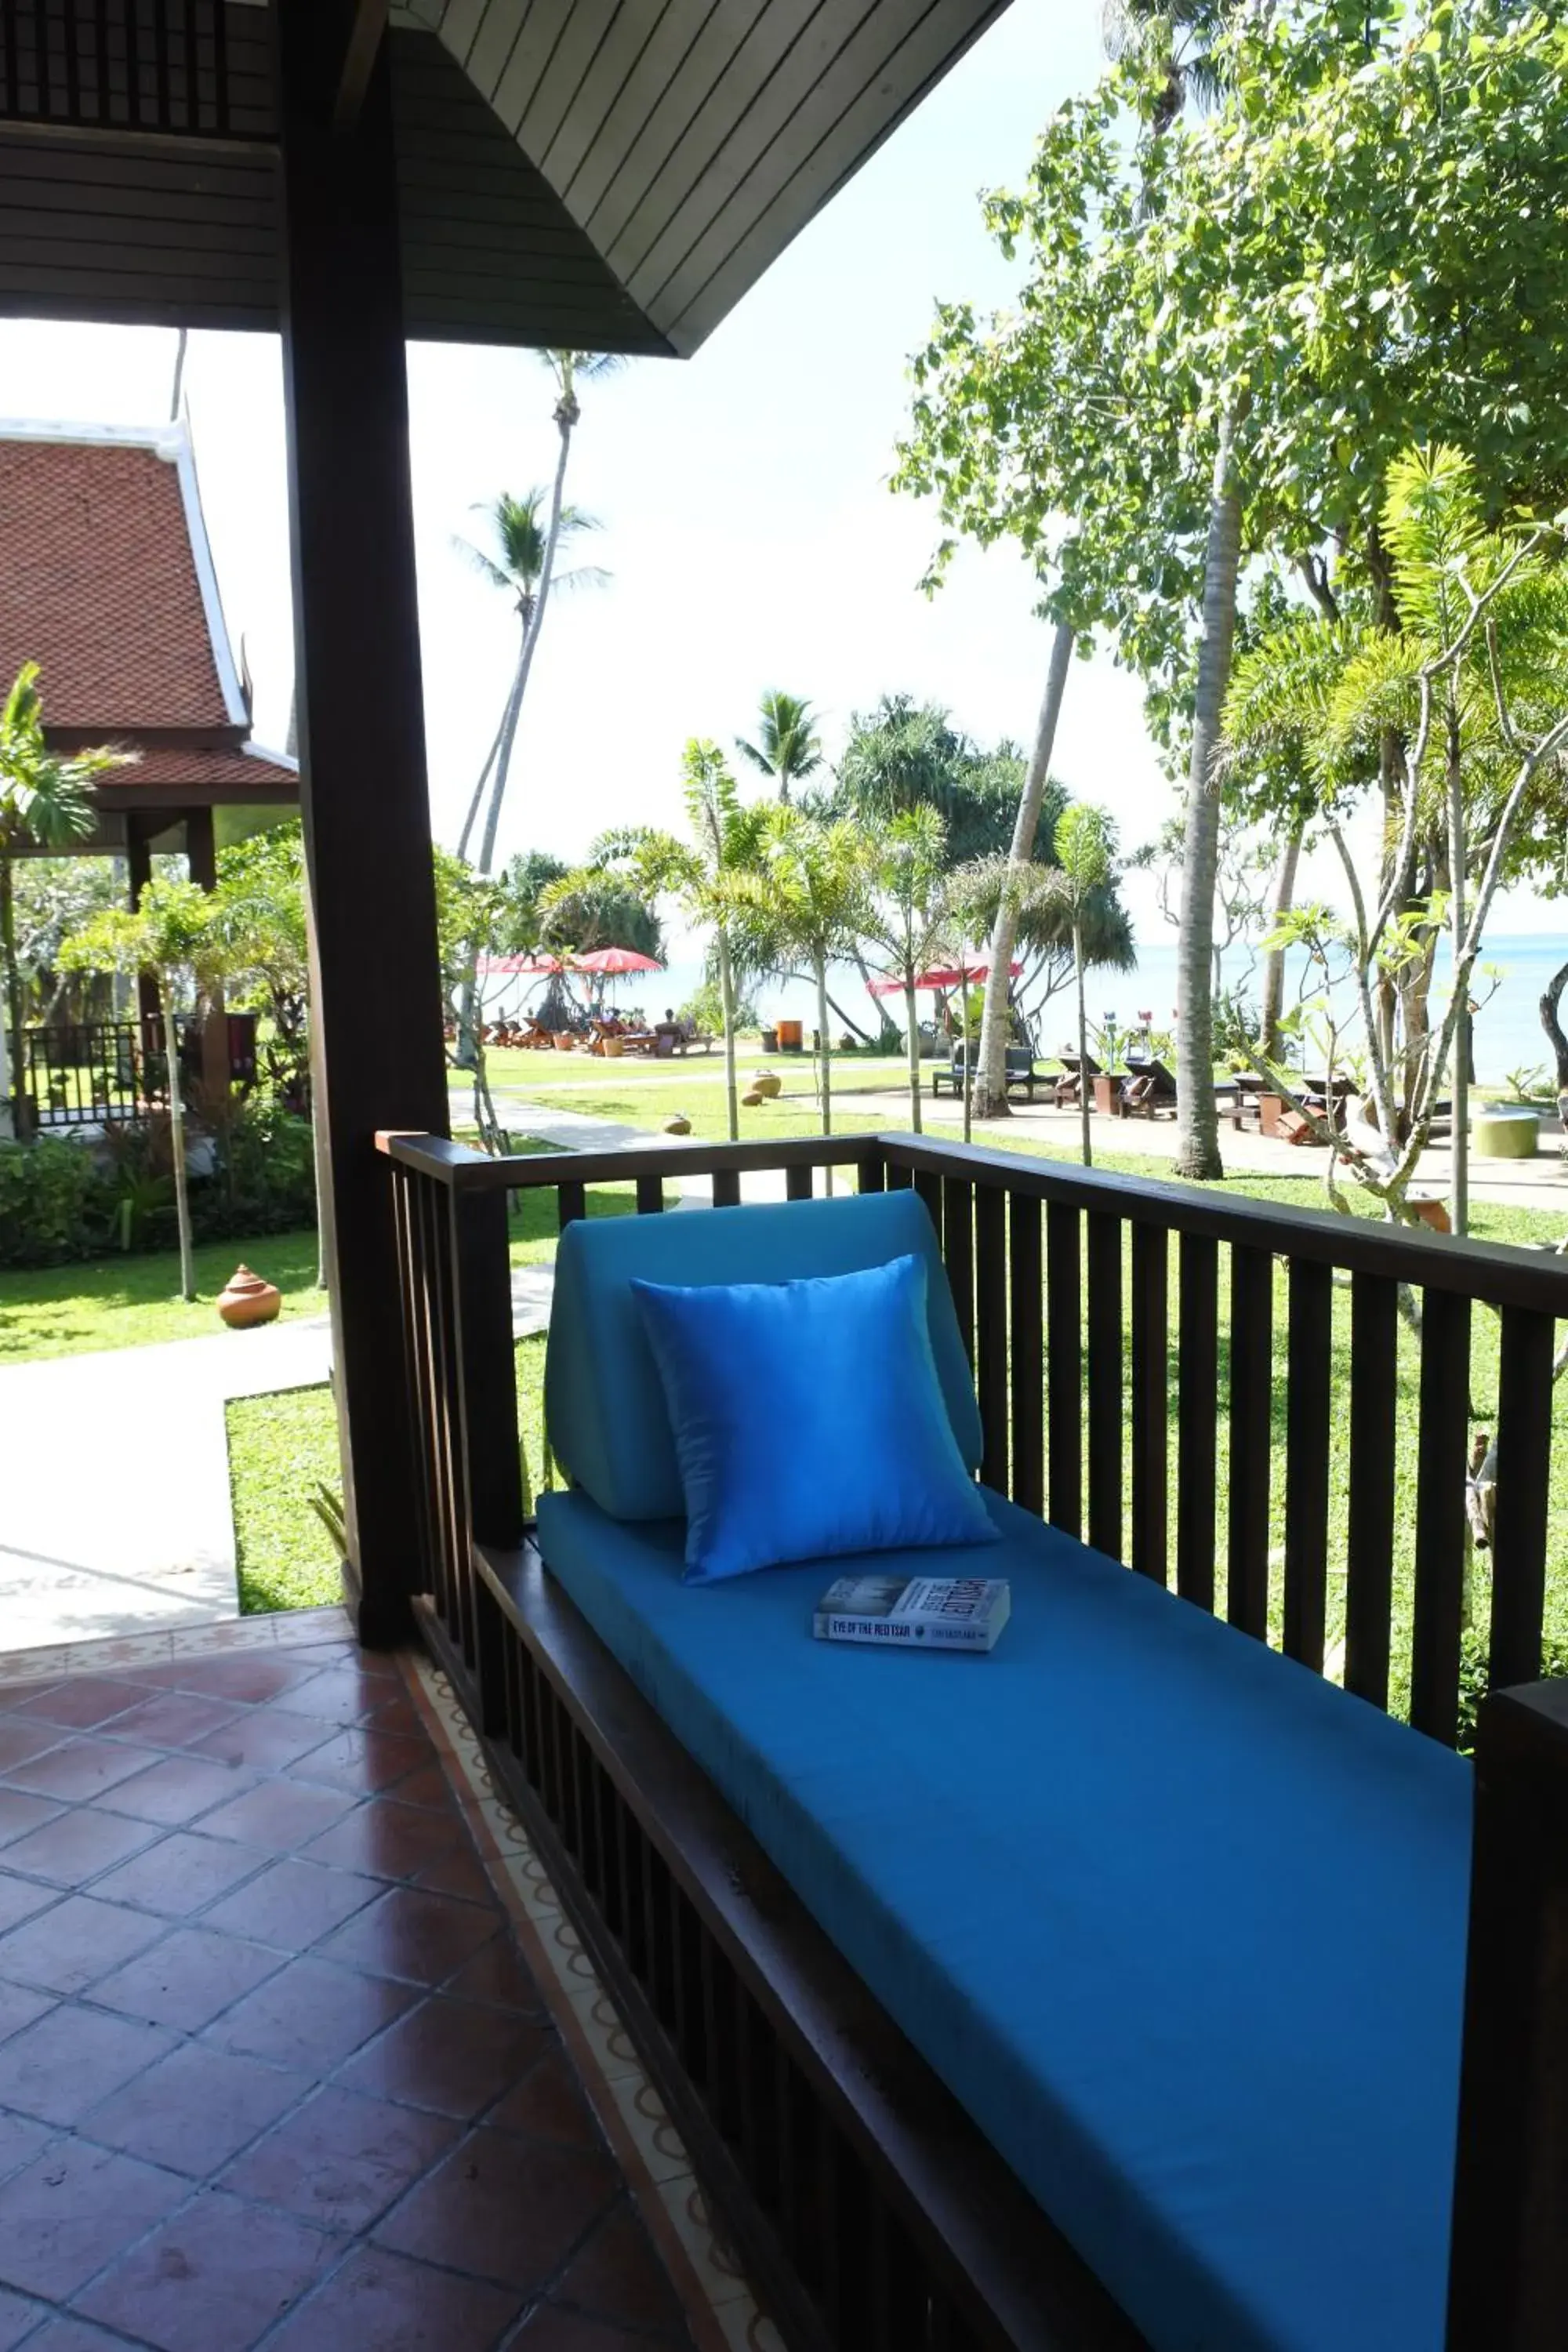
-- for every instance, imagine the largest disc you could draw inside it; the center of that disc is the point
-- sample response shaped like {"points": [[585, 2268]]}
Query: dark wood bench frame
{"points": [[871, 2214]]}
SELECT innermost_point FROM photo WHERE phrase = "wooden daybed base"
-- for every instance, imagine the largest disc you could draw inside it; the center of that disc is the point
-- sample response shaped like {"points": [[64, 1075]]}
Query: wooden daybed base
{"points": [[869, 2212]]}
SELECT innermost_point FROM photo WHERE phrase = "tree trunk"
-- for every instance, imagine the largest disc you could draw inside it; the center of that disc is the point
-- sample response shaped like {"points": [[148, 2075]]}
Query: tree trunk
{"points": [[727, 999], [531, 639], [912, 1047], [177, 1138], [1273, 1006], [1551, 1021], [822, 1033], [1460, 1125], [477, 801], [1083, 1077], [991, 1089], [1198, 1142]]}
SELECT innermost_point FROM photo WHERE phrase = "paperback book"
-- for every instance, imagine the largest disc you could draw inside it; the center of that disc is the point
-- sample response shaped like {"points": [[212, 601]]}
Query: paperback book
{"points": [[916, 1612]]}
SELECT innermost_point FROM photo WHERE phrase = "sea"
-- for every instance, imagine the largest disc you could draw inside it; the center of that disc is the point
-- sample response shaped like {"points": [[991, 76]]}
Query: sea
{"points": [[1515, 970]]}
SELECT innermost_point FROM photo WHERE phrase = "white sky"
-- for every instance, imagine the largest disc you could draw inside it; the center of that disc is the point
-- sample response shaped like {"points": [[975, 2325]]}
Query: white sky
{"points": [[747, 523]]}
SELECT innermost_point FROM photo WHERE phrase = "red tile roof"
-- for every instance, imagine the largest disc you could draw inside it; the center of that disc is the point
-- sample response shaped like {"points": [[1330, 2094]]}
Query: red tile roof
{"points": [[106, 582]]}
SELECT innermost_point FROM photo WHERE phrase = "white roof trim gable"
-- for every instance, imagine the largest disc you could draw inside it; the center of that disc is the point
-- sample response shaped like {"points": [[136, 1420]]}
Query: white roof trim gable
{"points": [[274, 759], [173, 444]]}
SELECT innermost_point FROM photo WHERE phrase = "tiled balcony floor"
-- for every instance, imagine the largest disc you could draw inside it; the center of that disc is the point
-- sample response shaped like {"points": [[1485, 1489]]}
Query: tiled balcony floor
{"points": [[274, 2068]]}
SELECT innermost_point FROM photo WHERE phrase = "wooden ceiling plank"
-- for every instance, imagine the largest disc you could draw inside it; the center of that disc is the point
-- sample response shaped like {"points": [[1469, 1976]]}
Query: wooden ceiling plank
{"points": [[460, 23], [639, 156], [531, 52], [494, 39], [837, 49], [944, 32], [631, 29], [668, 40], [561, 85]]}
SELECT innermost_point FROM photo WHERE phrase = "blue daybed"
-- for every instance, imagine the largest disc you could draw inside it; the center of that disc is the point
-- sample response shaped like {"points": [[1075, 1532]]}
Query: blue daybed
{"points": [[1181, 1925]]}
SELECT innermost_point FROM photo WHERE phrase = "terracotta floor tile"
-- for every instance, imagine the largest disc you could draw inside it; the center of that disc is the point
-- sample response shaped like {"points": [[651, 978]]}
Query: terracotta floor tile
{"points": [[85, 1701], [380, 2302], [174, 1718], [214, 2279], [428, 1787], [66, 2215], [310, 2015], [69, 1947], [22, 2138], [19, 1899], [278, 1815], [498, 1974], [189, 1979], [503, 2208], [77, 2336], [70, 2059], [19, 2005], [265, 1736], [550, 2329], [617, 2277], [293, 1904], [550, 2104], [449, 2055], [251, 1680], [398, 1714], [457, 1871], [81, 1768], [196, 2109], [338, 1694], [77, 1846], [19, 2317], [24, 1737], [409, 1932], [184, 1872], [340, 2159], [365, 1761], [394, 1841], [177, 1789], [21, 1813]]}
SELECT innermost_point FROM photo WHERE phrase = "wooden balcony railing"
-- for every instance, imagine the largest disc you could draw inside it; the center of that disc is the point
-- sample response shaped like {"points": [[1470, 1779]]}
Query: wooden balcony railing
{"points": [[1272, 1408]]}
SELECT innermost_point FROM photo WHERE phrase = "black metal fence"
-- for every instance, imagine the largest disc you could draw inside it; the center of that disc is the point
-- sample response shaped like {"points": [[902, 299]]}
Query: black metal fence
{"points": [[83, 1072]]}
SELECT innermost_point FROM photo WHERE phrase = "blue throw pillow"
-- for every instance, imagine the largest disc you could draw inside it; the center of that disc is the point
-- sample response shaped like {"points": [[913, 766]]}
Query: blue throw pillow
{"points": [[808, 1420]]}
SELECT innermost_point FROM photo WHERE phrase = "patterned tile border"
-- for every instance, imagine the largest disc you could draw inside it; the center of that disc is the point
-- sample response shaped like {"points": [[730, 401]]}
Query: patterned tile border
{"points": [[721, 2309], [282, 1628]]}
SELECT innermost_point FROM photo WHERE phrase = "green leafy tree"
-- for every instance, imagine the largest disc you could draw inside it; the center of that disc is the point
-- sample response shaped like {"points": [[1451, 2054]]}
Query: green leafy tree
{"points": [[711, 874], [260, 913], [172, 937], [812, 897], [788, 748], [46, 802], [907, 928], [906, 755]]}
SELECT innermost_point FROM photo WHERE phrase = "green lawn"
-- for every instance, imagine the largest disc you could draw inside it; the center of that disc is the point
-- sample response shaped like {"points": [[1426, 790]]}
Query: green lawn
{"points": [[131, 1301]]}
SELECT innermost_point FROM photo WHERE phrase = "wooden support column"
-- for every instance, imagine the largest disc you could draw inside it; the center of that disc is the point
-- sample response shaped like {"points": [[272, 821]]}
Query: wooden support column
{"points": [[1509, 2275], [377, 1009]]}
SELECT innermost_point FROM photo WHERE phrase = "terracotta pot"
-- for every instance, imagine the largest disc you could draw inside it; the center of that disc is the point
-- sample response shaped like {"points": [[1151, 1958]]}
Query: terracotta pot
{"points": [[790, 1036], [245, 1299], [1432, 1212], [767, 1083], [613, 1048], [677, 1125]]}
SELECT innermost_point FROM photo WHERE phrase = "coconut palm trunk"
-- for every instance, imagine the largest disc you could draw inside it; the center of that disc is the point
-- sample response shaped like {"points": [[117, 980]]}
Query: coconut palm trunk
{"points": [[177, 1137], [565, 417], [1272, 1010], [991, 1087], [1460, 1125], [820, 967], [1551, 1022], [507, 720], [912, 1043], [1198, 1142], [727, 1001]]}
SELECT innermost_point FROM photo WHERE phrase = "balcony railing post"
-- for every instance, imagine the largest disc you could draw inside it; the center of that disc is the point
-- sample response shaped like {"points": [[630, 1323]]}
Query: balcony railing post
{"points": [[493, 1482], [1508, 2269]]}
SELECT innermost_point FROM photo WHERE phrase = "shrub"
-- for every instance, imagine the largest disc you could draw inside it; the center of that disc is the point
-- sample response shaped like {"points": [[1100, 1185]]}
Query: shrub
{"points": [[56, 1202], [706, 1008], [1475, 1677], [265, 1176]]}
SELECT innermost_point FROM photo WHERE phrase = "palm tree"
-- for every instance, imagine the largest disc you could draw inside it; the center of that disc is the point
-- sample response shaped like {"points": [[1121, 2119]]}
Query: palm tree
{"points": [[812, 892], [788, 748], [46, 802], [520, 560], [1085, 867], [711, 874], [991, 1079], [1179, 35], [911, 920]]}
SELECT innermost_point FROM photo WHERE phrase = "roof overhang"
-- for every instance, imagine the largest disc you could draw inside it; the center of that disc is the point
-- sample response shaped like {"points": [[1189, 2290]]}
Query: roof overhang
{"points": [[610, 174]]}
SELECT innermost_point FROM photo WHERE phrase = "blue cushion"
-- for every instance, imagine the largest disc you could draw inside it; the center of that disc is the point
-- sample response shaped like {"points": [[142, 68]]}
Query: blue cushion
{"points": [[1182, 1926], [808, 1419], [604, 1400]]}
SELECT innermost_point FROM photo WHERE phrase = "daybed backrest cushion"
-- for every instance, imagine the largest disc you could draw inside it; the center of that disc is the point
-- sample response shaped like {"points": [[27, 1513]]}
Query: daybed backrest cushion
{"points": [[604, 1400]]}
